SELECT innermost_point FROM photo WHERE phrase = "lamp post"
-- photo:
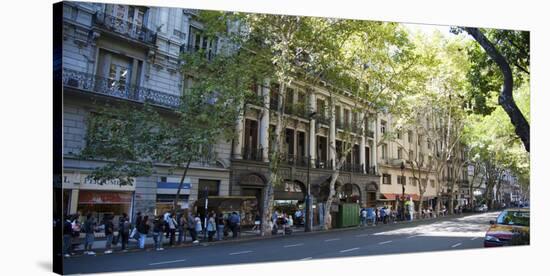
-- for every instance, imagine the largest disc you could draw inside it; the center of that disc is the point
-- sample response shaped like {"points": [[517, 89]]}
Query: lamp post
{"points": [[402, 191], [308, 217]]}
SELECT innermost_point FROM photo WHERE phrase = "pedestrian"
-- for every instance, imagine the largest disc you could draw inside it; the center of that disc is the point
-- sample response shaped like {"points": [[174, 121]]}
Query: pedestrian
{"points": [[109, 230], [143, 230], [198, 225], [371, 215], [89, 229], [410, 208], [182, 221], [135, 232], [172, 224], [211, 226], [191, 227], [363, 216], [257, 221], [220, 226], [275, 217], [234, 221], [166, 217], [124, 231], [298, 215], [158, 229], [67, 236]]}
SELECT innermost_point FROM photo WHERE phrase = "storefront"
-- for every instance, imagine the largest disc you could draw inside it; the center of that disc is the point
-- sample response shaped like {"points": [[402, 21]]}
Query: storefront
{"points": [[167, 188], [83, 195]]}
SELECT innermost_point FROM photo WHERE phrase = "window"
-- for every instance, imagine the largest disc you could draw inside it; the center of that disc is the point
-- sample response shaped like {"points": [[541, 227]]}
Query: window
{"points": [[383, 127], [338, 117], [424, 182], [400, 134], [411, 155], [421, 158], [402, 180], [419, 140], [429, 143], [213, 187], [413, 180], [432, 183], [198, 41], [399, 153], [386, 178], [384, 151], [410, 136], [274, 96]]}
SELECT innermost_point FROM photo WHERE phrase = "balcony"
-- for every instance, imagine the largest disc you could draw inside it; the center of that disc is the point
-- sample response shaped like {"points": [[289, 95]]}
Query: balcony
{"points": [[253, 154], [297, 160], [109, 87], [124, 28]]}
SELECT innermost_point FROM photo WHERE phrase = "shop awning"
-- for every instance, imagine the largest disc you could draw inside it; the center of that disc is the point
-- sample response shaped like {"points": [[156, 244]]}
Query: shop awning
{"points": [[97, 197], [388, 196]]}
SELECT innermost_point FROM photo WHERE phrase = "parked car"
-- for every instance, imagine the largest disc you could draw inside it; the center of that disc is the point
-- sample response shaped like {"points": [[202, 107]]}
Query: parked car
{"points": [[510, 228], [481, 208]]}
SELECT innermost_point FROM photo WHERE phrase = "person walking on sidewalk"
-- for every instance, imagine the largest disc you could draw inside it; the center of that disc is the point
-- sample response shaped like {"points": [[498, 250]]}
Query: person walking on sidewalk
{"points": [[191, 227], [67, 236], [211, 226], [135, 232], [220, 222], [89, 228], [109, 230], [143, 230], [172, 224], [158, 229], [371, 215], [257, 222], [363, 216], [234, 221], [198, 225], [124, 230]]}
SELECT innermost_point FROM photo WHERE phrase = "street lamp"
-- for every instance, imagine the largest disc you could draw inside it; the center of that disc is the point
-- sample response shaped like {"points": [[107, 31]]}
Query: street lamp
{"points": [[402, 190], [308, 217]]}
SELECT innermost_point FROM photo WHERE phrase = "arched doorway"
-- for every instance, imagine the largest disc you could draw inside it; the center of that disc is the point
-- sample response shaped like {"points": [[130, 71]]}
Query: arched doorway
{"points": [[289, 197], [349, 193], [371, 191]]}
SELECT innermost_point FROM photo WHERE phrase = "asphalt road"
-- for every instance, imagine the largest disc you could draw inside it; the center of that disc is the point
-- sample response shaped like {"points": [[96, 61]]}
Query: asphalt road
{"points": [[443, 234]]}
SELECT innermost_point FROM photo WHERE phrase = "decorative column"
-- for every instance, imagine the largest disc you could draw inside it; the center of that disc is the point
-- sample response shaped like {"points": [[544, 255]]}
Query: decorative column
{"points": [[362, 156], [312, 132], [374, 149], [332, 133], [239, 130], [264, 123]]}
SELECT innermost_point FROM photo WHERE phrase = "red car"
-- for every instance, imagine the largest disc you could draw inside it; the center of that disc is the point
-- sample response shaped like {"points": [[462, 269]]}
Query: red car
{"points": [[510, 228]]}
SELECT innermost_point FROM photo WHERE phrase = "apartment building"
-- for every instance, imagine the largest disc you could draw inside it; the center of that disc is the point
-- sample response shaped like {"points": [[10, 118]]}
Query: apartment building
{"points": [[128, 54]]}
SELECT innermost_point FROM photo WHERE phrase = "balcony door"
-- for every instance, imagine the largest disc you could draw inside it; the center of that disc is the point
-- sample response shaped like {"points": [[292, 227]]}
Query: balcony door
{"points": [[114, 71], [128, 19], [251, 140]]}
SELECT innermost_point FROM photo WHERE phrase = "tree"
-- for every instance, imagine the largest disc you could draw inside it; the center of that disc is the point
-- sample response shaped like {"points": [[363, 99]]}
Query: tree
{"points": [[509, 47]]}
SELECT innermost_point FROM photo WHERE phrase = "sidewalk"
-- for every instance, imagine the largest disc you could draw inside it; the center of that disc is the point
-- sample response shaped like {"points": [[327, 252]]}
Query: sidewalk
{"points": [[99, 243]]}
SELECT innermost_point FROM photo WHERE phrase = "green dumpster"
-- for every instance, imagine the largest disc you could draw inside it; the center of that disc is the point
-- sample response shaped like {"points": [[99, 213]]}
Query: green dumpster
{"points": [[348, 215]]}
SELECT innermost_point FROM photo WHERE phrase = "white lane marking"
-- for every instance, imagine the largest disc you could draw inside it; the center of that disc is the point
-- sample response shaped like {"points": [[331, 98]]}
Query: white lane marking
{"points": [[304, 259], [329, 240], [167, 262], [293, 245], [348, 250], [362, 235], [241, 252], [413, 236], [473, 239], [458, 244], [384, 242]]}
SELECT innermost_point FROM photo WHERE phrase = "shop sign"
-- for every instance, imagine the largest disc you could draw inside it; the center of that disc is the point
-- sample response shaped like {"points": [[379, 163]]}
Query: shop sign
{"points": [[77, 180]]}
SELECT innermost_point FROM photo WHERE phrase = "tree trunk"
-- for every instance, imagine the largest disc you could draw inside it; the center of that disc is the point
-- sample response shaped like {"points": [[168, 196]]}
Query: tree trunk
{"points": [[181, 184], [506, 98]]}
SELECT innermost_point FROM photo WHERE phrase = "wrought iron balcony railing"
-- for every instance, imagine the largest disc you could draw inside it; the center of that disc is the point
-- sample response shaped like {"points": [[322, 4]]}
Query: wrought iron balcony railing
{"points": [[253, 154], [125, 28], [105, 86]]}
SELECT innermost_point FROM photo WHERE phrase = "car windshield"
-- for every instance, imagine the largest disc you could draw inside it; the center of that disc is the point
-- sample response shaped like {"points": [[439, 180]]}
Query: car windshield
{"points": [[520, 218]]}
